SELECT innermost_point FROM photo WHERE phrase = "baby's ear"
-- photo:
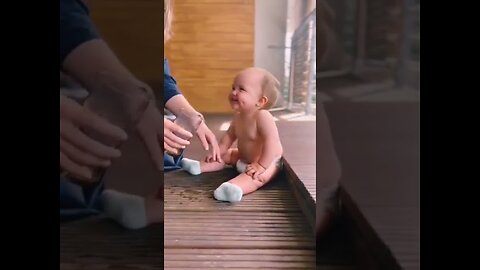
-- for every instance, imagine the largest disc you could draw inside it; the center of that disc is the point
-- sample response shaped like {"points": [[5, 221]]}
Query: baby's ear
{"points": [[263, 100]]}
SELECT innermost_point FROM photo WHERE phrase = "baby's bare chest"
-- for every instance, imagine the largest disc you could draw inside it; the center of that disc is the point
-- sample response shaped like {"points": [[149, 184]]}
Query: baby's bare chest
{"points": [[246, 131]]}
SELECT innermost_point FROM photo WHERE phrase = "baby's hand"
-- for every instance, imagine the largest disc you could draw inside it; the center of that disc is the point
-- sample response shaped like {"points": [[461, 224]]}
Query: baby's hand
{"points": [[254, 170], [211, 158]]}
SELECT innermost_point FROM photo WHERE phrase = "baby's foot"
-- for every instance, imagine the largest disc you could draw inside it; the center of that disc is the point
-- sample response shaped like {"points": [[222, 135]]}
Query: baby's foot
{"points": [[191, 166], [126, 209], [228, 192]]}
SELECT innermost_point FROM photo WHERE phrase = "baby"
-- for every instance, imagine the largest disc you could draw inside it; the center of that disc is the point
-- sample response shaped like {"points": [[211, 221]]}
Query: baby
{"points": [[259, 152]]}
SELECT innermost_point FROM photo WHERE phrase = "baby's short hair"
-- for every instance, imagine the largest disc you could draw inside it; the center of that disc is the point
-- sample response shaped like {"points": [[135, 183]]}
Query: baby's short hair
{"points": [[270, 85]]}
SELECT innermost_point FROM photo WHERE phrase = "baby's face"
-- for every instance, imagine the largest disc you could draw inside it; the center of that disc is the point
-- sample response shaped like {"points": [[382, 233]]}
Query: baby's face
{"points": [[246, 90]]}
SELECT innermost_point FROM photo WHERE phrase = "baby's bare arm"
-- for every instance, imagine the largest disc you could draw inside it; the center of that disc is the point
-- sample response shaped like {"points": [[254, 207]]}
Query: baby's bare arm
{"points": [[272, 146], [227, 139]]}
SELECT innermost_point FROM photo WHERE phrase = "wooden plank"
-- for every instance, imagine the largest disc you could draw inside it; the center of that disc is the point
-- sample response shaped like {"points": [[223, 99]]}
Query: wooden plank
{"points": [[215, 28], [192, 224], [260, 252], [218, 9], [241, 257], [287, 244], [223, 47], [231, 54], [252, 239], [238, 218], [237, 230], [211, 38], [184, 232], [240, 264]]}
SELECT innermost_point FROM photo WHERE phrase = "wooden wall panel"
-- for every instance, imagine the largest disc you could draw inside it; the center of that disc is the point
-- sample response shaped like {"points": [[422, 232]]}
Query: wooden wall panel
{"points": [[212, 40]]}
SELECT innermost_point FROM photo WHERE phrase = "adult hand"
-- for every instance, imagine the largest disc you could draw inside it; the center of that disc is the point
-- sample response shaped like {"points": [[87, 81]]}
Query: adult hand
{"points": [[208, 139], [172, 143], [79, 153], [153, 130]]}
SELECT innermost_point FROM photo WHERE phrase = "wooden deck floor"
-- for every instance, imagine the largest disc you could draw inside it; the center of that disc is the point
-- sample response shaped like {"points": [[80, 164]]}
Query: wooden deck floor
{"points": [[265, 230]]}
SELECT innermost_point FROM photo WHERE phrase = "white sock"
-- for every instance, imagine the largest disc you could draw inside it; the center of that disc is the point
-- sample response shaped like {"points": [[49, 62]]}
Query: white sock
{"points": [[228, 192], [191, 166], [126, 209]]}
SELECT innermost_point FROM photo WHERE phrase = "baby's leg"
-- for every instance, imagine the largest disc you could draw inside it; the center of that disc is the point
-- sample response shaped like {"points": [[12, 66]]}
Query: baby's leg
{"points": [[197, 167], [229, 158], [249, 185], [234, 189]]}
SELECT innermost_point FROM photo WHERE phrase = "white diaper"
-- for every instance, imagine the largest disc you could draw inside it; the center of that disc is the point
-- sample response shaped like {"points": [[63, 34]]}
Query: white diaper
{"points": [[241, 166]]}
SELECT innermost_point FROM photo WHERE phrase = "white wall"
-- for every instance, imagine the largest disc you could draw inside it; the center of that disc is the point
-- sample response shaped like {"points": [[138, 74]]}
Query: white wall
{"points": [[297, 11], [270, 30]]}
